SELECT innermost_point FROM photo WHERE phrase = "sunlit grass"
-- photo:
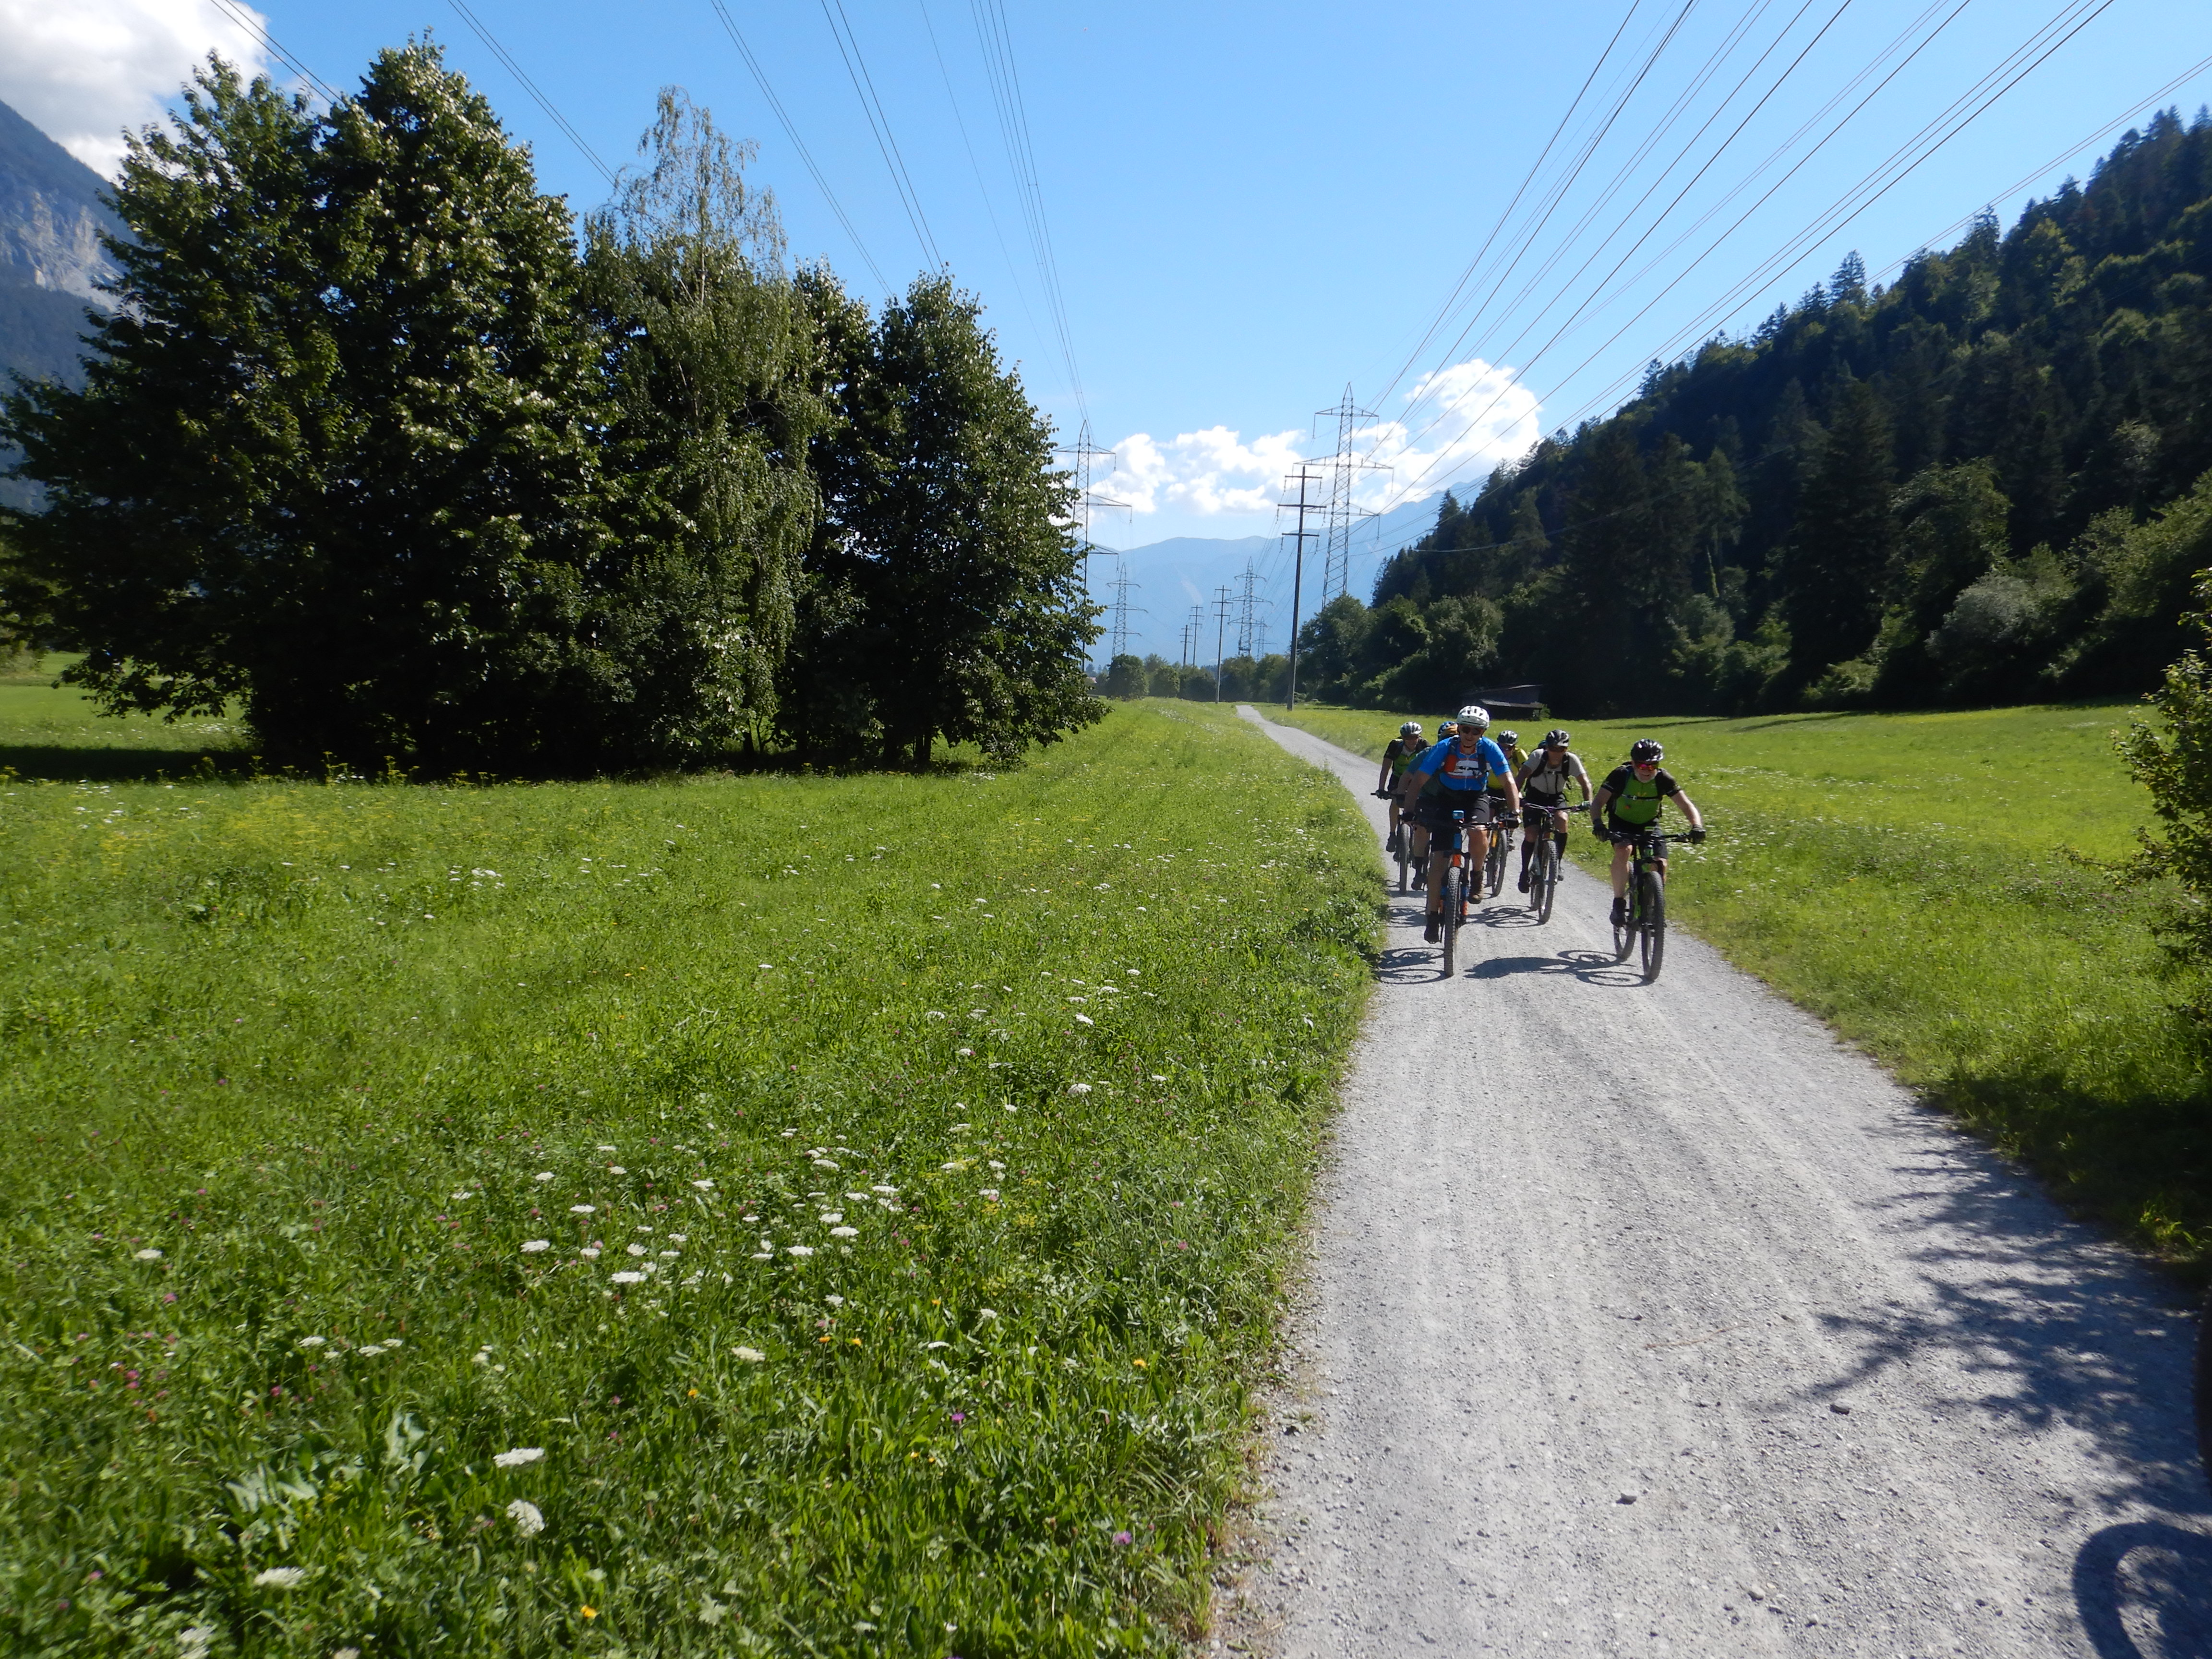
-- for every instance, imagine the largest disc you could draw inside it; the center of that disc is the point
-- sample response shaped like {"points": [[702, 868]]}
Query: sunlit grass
{"points": [[942, 1138], [1919, 881]]}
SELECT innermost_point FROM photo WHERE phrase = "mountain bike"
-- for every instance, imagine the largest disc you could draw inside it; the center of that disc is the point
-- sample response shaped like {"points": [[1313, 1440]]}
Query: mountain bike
{"points": [[2205, 1385], [1645, 925], [1501, 845], [1452, 897], [1399, 847], [1544, 857]]}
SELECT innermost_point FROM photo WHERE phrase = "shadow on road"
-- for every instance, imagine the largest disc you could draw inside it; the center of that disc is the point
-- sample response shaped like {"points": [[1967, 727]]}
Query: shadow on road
{"points": [[2144, 1591]]}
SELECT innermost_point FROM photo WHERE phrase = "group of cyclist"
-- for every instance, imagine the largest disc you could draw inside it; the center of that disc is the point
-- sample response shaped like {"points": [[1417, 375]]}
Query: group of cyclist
{"points": [[1469, 780]]}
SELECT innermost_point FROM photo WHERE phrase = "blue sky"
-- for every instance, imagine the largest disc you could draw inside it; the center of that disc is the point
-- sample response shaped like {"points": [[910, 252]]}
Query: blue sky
{"points": [[1250, 208]]}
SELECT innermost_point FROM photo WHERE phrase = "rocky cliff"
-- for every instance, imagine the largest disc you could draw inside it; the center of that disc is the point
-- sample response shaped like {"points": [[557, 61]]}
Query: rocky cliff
{"points": [[51, 260]]}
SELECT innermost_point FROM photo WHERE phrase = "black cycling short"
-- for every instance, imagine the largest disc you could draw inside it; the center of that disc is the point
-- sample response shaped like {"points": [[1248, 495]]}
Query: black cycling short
{"points": [[1434, 812], [1536, 818]]}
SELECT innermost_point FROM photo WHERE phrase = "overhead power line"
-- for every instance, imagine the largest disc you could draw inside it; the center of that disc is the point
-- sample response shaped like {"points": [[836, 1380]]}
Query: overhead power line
{"points": [[1004, 76], [790, 131], [1593, 300], [531, 87], [244, 17], [879, 123]]}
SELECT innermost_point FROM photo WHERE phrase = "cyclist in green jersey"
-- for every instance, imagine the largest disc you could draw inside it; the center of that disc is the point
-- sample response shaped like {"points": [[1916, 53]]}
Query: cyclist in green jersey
{"points": [[1630, 799], [1401, 752]]}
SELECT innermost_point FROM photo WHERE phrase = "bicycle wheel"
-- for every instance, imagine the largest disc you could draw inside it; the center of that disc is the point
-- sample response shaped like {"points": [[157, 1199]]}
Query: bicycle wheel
{"points": [[1449, 919], [1403, 847], [2204, 1386], [1494, 866], [1624, 931], [1652, 932], [1544, 879]]}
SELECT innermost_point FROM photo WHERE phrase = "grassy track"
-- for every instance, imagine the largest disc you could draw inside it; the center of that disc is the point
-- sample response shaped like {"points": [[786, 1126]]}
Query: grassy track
{"points": [[866, 1194], [1908, 877]]}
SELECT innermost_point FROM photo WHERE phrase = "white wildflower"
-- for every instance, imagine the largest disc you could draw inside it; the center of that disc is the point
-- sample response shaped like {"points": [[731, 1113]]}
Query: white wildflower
{"points": [[798, 1250], [482, 1357], [370, 1348], [532, 1246], [863, 1197], [521, 1454], [463, 1192], [634, 1249], [764, 1256], [527, 1518], [609, 1149], [617, 1169], [833, 1217], [987, 1313], [750, 1356], [544, 1175], [629, 1279], [1159, 1077], [148, 1255], [313, 1341], [666, 1254], [1085, 1020], [927, 1346], [679, 1238], [583, 1209], [844, 1232], [824, 1164], [704, 1186], [590, 1252], [995, 1164], [281, 1577], [965, 1053], [834, 1301], [887, 1191], [935, 1013], [192, 1642], [991, 1193], [787, 1134], [1078, 1088]]}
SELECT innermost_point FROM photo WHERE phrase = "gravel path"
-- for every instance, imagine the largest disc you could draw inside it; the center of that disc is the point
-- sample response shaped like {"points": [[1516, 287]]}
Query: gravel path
{"points": [[1654, 1320]]}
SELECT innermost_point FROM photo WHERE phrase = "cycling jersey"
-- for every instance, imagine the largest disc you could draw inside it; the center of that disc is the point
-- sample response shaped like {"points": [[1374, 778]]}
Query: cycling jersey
{"points": [[1547, 784], [1635, 802], [1400, 757], [1516, 757], [1446, 768]]}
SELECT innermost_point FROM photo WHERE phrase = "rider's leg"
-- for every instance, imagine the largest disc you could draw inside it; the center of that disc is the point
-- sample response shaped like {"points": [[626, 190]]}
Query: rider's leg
{"points": [[1477, 857]]}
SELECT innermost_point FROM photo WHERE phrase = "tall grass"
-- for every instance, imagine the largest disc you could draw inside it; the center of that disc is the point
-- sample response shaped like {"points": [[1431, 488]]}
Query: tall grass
{"points": [[1936, 885], [829, 1216]]}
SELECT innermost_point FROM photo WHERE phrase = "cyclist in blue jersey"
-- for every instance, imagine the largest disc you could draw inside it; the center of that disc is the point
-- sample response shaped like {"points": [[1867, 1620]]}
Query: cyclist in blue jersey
{"points": [[1458, 775]]}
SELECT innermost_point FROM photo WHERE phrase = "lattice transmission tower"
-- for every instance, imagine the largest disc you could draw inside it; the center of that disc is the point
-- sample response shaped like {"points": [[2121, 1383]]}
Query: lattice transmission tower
{"points": [[1118, 627], [1082, 458], [1344, 468]]}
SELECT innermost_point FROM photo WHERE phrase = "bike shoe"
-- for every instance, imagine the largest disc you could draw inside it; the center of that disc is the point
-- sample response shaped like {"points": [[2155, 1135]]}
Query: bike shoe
{"points": [[1434, 932], [1620, 911], [1420, 883], [1524, 881]]}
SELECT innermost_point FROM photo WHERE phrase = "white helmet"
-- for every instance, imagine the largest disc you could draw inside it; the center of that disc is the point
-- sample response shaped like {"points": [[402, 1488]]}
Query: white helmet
{"points": [[1475, 714]]}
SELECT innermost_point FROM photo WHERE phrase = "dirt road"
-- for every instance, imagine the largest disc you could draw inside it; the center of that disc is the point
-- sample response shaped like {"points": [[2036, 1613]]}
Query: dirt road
{"points": [[1653, 1320]]}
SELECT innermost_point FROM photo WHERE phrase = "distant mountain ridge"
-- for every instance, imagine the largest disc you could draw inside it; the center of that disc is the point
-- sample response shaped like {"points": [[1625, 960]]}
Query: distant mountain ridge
{"points": [[51, 264]]}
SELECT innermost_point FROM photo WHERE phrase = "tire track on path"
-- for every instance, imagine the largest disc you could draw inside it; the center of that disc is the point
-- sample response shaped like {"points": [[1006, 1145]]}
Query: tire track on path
{"points": [[1654, 1320]]}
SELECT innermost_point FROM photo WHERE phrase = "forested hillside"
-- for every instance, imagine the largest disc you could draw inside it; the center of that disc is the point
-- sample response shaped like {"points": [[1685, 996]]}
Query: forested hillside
{"points": [[1988, 482]]}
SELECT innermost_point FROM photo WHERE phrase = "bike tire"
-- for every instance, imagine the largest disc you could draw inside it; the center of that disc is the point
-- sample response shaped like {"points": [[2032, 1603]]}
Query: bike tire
{"points": [[1449, 920], [2204, 1386], [1624, 931], [1544, 881], [1493, 865], [1405, 851], [1652, 935]]}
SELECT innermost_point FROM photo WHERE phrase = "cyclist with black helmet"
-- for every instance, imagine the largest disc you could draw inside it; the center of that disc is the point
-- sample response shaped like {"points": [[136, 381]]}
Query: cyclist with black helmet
{"points": [[1544, 780], [1403, 749], [1457, 775], [1629, 801], [1446, 730]]}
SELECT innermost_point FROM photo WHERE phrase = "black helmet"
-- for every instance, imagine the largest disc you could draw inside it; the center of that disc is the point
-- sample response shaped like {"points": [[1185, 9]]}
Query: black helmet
{"points": [[1556, 738], [1509, 738], [1646, 748]]}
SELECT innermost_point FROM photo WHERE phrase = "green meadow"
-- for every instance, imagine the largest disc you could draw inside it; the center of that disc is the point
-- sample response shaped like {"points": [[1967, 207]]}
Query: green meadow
{"points": [[764, 1214], [1937, 886]]}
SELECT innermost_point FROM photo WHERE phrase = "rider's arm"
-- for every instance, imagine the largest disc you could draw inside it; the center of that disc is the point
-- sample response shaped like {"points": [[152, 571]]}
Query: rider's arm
{"points": [[1689, 810], [1580, 775], [1597, 805]]}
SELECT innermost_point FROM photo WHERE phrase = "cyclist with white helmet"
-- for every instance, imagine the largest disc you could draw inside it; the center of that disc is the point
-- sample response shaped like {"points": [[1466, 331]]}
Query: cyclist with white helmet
{"points": [[1630, 800], [1457, 776], [1395, 759], [1544, 781]]}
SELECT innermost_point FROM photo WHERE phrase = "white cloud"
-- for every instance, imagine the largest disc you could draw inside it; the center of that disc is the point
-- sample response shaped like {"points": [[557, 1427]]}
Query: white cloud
{"points": [[82, 70], [1458, 423], [1462, 421], [1203, 472]]}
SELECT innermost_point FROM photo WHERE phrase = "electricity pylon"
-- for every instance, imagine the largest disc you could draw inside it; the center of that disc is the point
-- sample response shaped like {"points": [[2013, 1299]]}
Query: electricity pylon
{"points": [[1344, 467]]}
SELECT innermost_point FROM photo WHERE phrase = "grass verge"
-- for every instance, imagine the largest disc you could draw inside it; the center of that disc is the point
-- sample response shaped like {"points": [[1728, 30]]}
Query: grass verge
{"points": [[767, 1215], [1919, 880]]}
